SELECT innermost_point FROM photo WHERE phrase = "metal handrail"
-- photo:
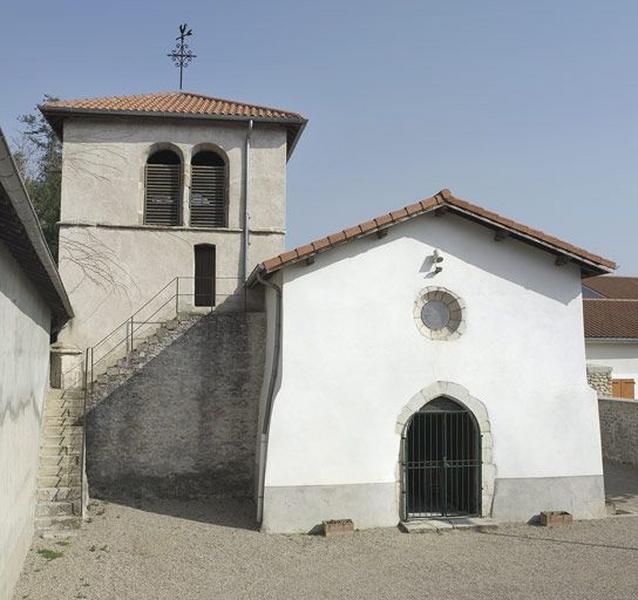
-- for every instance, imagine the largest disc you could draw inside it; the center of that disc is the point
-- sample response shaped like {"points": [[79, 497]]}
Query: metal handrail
{"points": [[89, 362]]}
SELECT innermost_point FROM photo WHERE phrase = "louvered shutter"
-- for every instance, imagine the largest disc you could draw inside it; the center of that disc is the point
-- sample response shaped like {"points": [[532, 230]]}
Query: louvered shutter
{"points": [[208, 191], [161, 204]]}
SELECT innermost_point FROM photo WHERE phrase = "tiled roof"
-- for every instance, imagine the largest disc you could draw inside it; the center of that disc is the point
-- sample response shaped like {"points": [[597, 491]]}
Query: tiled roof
{"points": [[444, 200], [177, 104], [610, 318], [614, 287]]}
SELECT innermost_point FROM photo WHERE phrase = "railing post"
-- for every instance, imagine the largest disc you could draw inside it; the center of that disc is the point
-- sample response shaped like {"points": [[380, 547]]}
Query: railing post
{"points": [[92, 365], [177, 296], [132, 326]]}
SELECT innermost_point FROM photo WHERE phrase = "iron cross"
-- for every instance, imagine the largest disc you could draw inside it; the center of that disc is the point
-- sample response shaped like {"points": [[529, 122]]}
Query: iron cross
{"points": [[181, 54]]}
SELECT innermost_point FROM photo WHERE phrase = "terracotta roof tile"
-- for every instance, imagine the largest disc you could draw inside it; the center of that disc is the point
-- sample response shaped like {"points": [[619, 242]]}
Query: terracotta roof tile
{"points": [[610, 318], [172, 102], [614, 287], [591, 262]]}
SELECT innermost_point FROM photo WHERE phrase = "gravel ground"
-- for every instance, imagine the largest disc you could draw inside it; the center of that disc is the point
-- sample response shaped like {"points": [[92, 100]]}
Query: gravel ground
{"points": [[196, 550]]}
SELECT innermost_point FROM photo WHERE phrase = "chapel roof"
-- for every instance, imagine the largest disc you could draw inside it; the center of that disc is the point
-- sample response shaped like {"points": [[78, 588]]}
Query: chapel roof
{"points": [[177, 105], [590, 264], [610, 318]]}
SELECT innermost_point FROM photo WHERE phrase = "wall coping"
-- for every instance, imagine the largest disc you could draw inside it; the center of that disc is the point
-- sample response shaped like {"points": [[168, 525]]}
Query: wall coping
{"points": [[625, 400], [598, 369]]}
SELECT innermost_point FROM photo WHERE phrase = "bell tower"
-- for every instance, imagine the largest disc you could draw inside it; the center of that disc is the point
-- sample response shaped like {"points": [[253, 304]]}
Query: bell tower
{"points": [[166, 187]]}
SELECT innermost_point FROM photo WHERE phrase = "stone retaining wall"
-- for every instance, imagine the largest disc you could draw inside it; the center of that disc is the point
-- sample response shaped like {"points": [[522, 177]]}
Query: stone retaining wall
{"points": [[619, 429], [185, 424]]}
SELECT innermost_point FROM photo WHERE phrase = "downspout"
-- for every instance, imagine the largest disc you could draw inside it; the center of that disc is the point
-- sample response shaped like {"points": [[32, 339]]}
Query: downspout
{"points": [[274, 374], [246, 195]]}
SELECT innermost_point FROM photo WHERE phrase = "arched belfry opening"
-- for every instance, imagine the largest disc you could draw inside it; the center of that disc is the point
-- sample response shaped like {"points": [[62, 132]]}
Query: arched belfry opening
{"points": [[441, 462], [208, 206], [162, 188]]}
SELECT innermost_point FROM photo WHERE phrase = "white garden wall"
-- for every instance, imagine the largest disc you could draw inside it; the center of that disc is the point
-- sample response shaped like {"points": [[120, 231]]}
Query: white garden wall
{"points": [[24, 355]]}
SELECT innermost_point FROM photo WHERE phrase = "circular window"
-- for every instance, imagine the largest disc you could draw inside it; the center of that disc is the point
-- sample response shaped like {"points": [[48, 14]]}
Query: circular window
{"points": [[439, 314], [435, 314]]}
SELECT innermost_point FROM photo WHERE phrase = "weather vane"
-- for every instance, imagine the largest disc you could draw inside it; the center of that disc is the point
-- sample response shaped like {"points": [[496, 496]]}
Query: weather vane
{"points": [[181, 54]]}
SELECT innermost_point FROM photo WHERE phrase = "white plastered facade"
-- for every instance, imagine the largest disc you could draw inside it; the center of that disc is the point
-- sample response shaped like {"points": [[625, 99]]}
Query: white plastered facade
{"points": [[354, 366], [110, 262]]}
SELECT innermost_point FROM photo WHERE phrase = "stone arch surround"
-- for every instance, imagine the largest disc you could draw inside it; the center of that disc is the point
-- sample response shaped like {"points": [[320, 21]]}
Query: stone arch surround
{"points": [[457, 392]]}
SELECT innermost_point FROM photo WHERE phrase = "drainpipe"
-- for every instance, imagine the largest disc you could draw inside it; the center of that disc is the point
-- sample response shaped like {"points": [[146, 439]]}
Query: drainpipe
{"points": [[274, 374], [246, 193]]}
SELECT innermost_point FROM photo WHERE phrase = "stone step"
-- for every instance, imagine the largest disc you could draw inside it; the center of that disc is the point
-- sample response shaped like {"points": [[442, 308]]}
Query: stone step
{"points": [[57, 523], [439, 525], [64, 439], [60, 460], [58, 422], [62, 413], [52, 481], [57, 470], [58, 494], [57, 429], [56, 509], [60, 451]]}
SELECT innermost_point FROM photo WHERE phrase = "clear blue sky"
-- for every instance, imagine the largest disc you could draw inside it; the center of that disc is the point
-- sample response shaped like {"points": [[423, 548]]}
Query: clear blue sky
{"points": [[527, 108]]}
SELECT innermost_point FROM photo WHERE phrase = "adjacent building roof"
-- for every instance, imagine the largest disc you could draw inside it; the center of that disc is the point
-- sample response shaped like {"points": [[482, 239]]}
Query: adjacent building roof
{"points": [[20, 230], [176, 105], [610, 318], [614, 287], [443, 201]]}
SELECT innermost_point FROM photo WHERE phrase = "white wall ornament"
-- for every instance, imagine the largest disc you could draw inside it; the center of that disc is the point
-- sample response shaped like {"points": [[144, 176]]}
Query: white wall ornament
{"points": [[439, 314]]}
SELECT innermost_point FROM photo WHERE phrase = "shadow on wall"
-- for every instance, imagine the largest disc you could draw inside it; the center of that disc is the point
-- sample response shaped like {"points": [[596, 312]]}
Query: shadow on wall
{"points": [[180, 433], [473, 244]]}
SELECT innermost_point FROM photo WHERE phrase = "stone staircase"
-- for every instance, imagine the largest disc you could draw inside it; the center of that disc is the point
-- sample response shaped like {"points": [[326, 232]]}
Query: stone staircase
{"points": [[59, 495], [145, 350]]}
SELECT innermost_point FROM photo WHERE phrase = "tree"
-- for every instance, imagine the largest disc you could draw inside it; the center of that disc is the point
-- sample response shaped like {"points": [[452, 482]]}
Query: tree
{"points": [[38, 155]]}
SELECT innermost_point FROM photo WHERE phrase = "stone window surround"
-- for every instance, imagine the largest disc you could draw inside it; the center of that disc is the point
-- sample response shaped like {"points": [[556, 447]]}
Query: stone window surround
{"points": [[459, 394], [185, 157], [445, 333]]}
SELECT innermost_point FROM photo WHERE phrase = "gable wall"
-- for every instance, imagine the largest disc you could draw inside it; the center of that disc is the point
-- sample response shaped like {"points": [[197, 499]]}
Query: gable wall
{"points": [[353, 358]]}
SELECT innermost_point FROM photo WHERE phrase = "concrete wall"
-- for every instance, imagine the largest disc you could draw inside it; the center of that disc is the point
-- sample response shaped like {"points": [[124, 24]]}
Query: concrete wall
{"points": [[185, 424], [24, 356], [621, 357], [110, 262], [353, 359], [619, 430]]}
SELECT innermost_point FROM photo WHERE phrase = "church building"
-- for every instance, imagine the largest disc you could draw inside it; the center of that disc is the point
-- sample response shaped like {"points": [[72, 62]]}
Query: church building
{"points": [[426, 363]]}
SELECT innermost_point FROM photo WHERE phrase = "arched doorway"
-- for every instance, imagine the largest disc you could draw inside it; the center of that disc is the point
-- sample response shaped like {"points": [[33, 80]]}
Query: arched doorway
{"points": [[441, 462]]}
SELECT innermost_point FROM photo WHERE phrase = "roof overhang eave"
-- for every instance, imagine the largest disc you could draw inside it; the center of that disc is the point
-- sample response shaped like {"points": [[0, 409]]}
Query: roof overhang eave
{"points": [[15, 191], [591, 266], [55, 115], [587, 267]]}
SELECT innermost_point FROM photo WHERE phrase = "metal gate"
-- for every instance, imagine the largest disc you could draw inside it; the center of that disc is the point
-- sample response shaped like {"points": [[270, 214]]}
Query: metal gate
{"points": [[441, 458]]}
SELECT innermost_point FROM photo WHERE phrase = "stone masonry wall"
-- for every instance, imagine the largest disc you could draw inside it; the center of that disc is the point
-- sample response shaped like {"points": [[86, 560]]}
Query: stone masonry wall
{"points": [[600, 379], [185, 424], [619, 429]]}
